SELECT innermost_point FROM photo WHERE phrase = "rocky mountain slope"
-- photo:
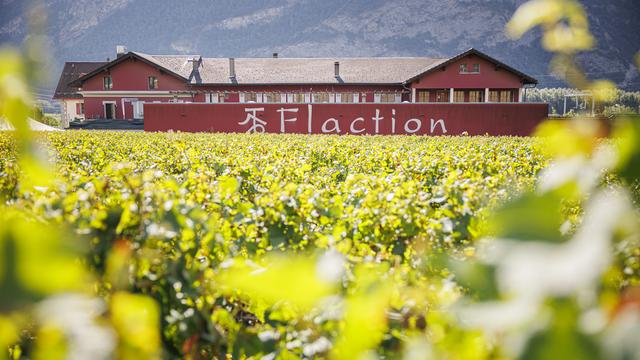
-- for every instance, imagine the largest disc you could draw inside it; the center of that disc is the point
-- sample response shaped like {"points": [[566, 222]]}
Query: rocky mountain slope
{"points": [[90, 30]]}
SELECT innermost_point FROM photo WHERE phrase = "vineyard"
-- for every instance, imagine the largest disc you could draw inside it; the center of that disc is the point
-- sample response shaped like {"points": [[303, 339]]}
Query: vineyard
{"points": [[284, 246], [176, 209], [254, 246]]}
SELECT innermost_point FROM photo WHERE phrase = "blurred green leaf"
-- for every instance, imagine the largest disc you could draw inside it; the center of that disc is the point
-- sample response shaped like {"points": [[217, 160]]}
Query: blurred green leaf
{"points": [[478, 278], [531, 14], [365, 318], [532, 217], [36, 260], [567, 138], [289, 279], [627, 135], [562, 339], [8, 334], [136, 318]]}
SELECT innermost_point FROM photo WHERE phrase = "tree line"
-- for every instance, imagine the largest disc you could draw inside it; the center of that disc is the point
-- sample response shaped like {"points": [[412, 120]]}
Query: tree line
{"points": [[627, 102]]}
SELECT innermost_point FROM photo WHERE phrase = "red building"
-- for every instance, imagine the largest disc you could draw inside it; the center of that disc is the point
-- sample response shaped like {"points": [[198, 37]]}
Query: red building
{"points": [[71, 102], [119, 88]]}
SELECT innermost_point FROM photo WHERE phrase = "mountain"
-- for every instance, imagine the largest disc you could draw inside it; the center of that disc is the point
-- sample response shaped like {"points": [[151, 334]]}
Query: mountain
{"points": [[91, 29]]}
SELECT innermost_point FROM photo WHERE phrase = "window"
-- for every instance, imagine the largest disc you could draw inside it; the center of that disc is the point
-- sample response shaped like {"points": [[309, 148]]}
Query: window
{"points": [[475, 69], [80, 108], [505, 96], [387, 98], [107, 82], [458, 96], [501, 96], [349, 98], [442, 96], [423, 96], [217, 97], [298, 98], [249, 97], [476, 96], [153, 82], [321, 98], [272, 97]]}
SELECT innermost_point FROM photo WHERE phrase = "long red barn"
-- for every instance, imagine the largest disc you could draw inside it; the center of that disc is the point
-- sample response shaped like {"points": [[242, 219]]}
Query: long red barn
{"points": [[469, 87]]}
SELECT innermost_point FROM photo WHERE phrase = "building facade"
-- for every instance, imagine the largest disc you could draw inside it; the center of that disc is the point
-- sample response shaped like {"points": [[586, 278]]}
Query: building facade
{"points": [[119, 89], [71, 101]]}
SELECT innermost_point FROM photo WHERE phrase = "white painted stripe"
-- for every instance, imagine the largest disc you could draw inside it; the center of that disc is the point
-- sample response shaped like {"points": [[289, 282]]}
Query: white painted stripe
{"points": [[310, 111], [131, 94]]}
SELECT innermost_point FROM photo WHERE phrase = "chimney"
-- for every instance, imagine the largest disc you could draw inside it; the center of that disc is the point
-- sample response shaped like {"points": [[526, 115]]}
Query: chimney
{"points": [[275, 55], [120, 50], [232, 68], [336, 65]]}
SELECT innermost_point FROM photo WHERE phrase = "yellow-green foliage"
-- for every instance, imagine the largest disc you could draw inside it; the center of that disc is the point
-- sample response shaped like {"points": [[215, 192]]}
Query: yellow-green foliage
{"points": [[198, 222]]}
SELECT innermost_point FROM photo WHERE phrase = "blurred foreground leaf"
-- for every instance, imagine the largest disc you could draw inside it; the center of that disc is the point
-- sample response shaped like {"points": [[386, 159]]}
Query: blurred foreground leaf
{"points": [[627, 135], [297, 281], [136, 318], [35, 260], [533, 217]]}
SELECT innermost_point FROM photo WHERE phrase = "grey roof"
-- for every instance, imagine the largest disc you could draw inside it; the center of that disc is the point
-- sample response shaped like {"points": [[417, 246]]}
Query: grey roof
{"points": [[391, 70], [297, 71], [73, 70]]}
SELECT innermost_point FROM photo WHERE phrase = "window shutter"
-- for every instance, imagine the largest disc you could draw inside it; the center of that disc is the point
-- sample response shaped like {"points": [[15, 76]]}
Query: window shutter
{"points": [[398, 98], [214, 97], [241, 97], [307, 98], [376, 98]]}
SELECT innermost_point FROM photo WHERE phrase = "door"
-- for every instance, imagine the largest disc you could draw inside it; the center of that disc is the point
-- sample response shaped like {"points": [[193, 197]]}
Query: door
{"points": [[109, 110], [138, 110]]}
